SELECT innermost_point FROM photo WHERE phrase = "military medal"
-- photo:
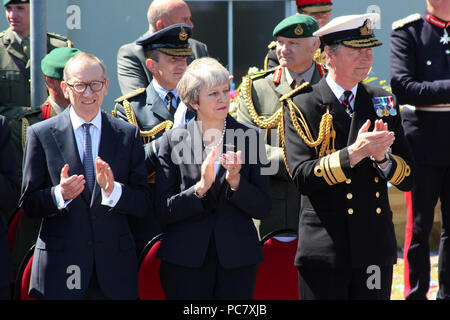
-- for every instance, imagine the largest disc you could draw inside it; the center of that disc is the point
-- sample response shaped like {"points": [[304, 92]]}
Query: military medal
{"points": [[384, 106], [445, 39]]}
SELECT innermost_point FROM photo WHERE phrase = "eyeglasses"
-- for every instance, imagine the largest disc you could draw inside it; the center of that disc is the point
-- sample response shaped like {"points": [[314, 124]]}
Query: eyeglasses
{"points": [[80, 87]]}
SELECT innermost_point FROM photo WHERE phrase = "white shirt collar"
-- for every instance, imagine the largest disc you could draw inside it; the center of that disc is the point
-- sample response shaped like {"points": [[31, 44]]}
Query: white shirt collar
{"points": [[78, 122], [338, 90]]}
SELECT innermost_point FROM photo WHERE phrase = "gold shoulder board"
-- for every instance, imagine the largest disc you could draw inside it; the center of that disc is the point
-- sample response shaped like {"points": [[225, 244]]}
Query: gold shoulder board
{"points": [[403, 22], [272, 45], [130, 95]]}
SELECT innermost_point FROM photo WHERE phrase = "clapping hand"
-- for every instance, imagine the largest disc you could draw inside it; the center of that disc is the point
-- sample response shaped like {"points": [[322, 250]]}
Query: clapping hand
{"points": [[232, 162]]}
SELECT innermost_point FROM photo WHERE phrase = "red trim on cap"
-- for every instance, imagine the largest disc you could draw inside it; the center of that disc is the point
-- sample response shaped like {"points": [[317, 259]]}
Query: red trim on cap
{"points": [[277, 75], [46, 109], [311, 2], [437, 22]]}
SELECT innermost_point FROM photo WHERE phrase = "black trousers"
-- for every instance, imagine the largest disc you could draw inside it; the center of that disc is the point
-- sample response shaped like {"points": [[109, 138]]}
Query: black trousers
{"points": [[208, 282], [345, 284], [431, 183]]}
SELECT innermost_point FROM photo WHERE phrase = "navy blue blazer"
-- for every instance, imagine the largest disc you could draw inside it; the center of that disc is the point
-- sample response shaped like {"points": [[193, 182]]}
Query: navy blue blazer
{"points": [[9, 193], [189, 221], [85, 232]]}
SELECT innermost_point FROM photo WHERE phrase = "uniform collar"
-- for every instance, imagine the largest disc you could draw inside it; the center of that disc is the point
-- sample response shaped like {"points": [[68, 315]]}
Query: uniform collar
{"points": [[337, 90], [435, 21]]}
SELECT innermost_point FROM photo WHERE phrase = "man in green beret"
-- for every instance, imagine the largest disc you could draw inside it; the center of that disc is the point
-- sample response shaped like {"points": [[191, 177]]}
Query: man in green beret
{"points": [[52, 66], [260, 106]]}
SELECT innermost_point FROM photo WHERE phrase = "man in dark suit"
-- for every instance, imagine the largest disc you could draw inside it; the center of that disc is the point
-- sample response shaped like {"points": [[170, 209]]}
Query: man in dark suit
{"points": [[152, 109], [131, 66], [9, 191], [420, 78], [343, 143], [85, 248]]}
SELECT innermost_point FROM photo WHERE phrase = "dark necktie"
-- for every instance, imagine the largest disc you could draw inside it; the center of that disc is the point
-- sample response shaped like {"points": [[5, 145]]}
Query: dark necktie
{"points": [[346, 99], [170, 105], [88, 162]]}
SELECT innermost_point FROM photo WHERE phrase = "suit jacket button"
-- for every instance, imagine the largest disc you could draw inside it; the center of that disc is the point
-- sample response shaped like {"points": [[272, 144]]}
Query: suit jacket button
{"points": [[348, 181], [378, 210], [377, 194], [376, 179], [350, 211], [349, 196]]}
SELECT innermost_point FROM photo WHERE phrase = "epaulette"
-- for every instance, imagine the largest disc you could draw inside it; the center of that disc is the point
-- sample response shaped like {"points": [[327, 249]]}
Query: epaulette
{"points": [[56, 36], [262, 73], [407, 20], [130, 95], [272, 45]]}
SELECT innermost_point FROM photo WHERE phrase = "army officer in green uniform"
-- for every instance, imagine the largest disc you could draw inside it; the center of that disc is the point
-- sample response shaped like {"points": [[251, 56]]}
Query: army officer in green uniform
{"points": [[260, 106]]}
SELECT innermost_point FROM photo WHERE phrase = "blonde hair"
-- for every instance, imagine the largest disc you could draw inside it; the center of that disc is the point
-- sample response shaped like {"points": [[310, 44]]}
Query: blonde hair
{"points": [[203, 72]]}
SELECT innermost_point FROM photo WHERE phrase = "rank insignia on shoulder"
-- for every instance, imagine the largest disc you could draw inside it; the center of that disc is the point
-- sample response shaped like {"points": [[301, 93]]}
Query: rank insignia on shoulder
{"points": [[403, 22], [130, 95], [384, 106], [277, 75]]}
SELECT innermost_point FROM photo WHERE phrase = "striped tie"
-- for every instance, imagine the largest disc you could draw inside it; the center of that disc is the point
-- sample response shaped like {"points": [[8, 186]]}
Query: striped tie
{"points": [[88, 162], [170, 106], [346, 99]]}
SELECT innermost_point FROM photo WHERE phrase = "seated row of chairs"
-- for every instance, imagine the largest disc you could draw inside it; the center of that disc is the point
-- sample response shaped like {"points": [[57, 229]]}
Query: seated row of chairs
{"points": [[277, 277]]}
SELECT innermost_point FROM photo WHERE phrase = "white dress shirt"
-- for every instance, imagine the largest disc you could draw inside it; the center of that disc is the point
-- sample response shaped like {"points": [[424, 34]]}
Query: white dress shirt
{"points": [[95, 132]]}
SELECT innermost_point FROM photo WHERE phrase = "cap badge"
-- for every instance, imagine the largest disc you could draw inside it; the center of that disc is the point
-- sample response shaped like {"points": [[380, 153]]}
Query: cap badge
{"points": [[183, 34], [366, 29], [298, 30]]}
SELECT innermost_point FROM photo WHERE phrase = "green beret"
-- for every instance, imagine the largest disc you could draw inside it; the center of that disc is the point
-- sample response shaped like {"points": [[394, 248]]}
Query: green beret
{"points": [[296, 26], [53, 63], [6, 2]]}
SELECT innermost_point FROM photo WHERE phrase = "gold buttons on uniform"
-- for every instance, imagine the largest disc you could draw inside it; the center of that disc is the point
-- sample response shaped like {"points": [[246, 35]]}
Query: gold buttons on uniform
{"points": [[348, 181], [350, 211], [378, 210], [376, 179], [377, 194], [349, 196]]}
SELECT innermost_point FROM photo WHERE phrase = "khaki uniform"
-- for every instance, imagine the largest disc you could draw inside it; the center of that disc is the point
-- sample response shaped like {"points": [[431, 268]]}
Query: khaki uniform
{"points": [[15, 68]]}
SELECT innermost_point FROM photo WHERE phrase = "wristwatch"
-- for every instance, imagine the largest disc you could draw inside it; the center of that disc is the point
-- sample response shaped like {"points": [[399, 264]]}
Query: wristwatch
{"points": [[386, 158], [197, 195]]}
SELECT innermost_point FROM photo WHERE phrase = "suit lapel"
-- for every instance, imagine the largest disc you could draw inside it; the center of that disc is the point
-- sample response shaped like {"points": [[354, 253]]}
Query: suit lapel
{"points": [[106, 151], [66, 143], [341, 120], [157, 106], [361, 112]]}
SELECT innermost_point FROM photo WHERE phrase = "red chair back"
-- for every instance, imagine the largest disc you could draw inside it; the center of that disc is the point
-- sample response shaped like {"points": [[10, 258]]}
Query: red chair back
{"points": [[277, 277], [12, 228], [148, 278], [22, 285]]}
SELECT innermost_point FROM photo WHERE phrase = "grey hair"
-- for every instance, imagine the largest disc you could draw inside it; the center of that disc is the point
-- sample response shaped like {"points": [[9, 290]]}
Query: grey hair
{"points": [[84, 57], [203, 72]]}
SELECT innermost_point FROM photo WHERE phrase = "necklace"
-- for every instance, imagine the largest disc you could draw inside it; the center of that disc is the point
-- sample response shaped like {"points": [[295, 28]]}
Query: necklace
{"points": [[221, 138]]}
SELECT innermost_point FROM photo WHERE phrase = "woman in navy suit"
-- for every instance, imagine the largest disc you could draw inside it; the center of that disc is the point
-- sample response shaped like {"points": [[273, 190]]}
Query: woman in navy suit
{"points": [[209, 187]]}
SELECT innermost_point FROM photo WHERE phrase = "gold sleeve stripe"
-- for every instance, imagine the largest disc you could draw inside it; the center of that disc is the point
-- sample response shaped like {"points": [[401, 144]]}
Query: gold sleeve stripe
{"points": [[330, 169], [402, 171], [335, 166]]}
